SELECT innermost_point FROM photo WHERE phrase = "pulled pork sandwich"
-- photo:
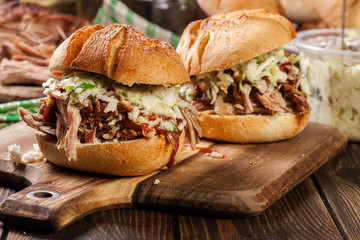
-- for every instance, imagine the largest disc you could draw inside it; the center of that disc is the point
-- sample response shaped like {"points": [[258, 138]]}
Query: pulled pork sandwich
{"points": [[246, 87], [112, 106]]}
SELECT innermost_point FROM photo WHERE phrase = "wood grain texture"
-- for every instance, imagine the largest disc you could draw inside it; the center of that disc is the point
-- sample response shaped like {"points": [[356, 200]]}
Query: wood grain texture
{"points": [[4, 193], [247, 181], [77, 198], [295, 216], [115, 224], [81, 193], [339, 182], [17, 133], [230, 186], [300, 214]]}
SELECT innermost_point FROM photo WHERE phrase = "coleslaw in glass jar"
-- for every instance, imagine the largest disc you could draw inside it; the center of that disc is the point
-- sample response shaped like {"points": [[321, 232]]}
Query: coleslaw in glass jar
{"points": [[333, 75]]}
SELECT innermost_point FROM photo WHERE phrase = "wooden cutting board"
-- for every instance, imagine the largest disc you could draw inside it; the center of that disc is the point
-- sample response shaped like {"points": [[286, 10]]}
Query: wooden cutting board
{"points": [[248, 180]]}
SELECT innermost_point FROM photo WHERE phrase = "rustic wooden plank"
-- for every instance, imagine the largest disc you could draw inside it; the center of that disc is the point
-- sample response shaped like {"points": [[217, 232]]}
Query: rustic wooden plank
{"points": [[113, 224], [4, 193], [339, 181], [300, 214], [80, 193], [223, 187], [17, 133], [249, 179]]}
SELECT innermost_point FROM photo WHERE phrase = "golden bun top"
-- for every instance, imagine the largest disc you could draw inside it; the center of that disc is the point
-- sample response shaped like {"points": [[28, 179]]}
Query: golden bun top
{"points": [[221, 41], [121, 53]]}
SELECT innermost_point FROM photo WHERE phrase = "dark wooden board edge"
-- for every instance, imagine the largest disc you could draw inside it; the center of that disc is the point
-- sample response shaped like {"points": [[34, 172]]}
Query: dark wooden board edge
{"points": [[4, 193], [37, 215], [300, 214], [182, 208], [19, 175], [339, 184], [221, 203]]}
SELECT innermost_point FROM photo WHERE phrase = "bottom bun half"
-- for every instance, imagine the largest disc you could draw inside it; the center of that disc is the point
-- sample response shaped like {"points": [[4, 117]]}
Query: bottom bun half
{"points": [[124, 158], [251, 128]]}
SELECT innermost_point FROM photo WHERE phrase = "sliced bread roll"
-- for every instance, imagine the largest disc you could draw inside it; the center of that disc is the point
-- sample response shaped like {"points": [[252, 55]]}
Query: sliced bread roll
{"points": [[215, 45]]}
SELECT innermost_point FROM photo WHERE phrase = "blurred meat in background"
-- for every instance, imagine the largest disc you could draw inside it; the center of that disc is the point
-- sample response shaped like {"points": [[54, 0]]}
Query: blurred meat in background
{"points": [[29, 34]]}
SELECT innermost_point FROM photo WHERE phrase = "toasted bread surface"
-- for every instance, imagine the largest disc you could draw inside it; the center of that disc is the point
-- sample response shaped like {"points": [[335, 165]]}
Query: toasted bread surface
{"points": [[123, 158], [224, 40], [251, 128], [121, 53]]}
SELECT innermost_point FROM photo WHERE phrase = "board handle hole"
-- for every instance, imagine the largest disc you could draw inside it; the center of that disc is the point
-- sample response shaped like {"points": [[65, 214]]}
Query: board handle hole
{"points": [[43, 194]]}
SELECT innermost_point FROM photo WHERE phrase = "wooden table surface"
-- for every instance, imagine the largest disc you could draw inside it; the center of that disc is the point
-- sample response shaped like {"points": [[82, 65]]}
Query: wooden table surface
{"points": [[324, 206]]}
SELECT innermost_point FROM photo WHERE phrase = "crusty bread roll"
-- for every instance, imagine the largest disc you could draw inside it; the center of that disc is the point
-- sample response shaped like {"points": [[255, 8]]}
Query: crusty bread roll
{"points": [[331, 12], [212, 7], [121, 53], [251, 128], [121, 158], [223, 40], [300, 11]]}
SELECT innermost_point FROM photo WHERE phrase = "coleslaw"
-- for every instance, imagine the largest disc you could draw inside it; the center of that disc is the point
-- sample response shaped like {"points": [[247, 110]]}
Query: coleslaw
{"points": [[334, 78]]}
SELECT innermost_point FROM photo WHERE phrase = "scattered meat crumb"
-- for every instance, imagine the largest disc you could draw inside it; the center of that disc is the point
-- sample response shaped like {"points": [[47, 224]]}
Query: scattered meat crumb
{"points": [[252, 162], [157, 181], [215, 154], [267, 120]]}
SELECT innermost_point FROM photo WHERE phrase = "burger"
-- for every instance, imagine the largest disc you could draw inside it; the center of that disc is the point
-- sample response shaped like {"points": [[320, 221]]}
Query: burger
{"points": [[112, 105], [245, 86]]}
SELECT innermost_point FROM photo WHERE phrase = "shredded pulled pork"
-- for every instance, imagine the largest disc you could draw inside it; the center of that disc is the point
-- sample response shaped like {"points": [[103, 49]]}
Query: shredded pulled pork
{"points": [[37, 121], [244, 97], [87, 122]]}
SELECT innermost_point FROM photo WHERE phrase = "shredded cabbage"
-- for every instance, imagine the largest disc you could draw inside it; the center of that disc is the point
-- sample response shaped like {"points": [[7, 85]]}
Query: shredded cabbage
{"points": [[266, 65], [335, 92], [143, 99]]}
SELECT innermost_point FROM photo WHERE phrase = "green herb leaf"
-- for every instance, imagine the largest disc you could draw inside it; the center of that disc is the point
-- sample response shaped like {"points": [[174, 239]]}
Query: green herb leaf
{"points": [[87, 86], [69, 88]]}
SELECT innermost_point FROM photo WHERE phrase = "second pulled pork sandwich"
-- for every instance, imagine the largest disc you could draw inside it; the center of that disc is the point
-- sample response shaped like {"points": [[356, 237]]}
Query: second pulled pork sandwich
{"points": [[112, 106], [246, 87]]}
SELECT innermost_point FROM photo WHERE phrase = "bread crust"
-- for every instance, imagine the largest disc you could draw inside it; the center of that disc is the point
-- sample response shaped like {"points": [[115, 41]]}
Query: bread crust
{"points": [[124, 158], [212, 7], [120, 53], [251, 128], [223, 40], [331, 12], [300, 11]]}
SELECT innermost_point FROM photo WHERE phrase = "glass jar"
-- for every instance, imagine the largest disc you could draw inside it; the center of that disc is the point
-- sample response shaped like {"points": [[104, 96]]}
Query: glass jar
{"points": [[174, 15], [141, 7], [333, 76]]}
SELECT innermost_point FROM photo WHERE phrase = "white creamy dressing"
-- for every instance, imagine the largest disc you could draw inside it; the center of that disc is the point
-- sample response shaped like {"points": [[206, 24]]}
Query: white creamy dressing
{"points": [[266, 65], [334, 81]]}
